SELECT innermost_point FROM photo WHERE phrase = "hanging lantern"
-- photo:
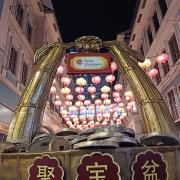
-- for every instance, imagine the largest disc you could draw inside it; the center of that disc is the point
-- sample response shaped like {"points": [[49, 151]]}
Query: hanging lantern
{"points": [[118, 87], [105, 89], [115, 94], [82, 117], [53, 90], [57, 103], [57, 97], [107, 101], [98, 101], [79, 90], [81, 81], [78, 103], [63, 112], [60, 70], [104, 96], [68, 103], [69, 97], [117, 99], [153, 73], [65, 81], [128, 108], [96, 79], [91, 89], [113, 66], [145, 64], [104, 123], [87, 102], [163, 58], [128, 94], [110, 78], [81, 97], [65, 91]]}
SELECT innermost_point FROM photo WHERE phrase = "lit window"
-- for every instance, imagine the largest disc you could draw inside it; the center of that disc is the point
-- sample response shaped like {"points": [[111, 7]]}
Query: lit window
{"points": [[13, 60], [174, 49], [173, 105]]}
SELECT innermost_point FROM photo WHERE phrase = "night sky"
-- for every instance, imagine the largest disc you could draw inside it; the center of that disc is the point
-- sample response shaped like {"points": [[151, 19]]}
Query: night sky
{"points": [[103, 18]]}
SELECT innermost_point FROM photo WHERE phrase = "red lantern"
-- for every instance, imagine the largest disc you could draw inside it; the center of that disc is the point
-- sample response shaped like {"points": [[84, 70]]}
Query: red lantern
{"points": [[153, 73], [69, 97], [91, 89], [118, 87], [60, 70], [104, 96], [163, 58], [113, 66], [81, 97], [79, 90], [53, 90], [115, 94], [96, 79], [110, 78]]}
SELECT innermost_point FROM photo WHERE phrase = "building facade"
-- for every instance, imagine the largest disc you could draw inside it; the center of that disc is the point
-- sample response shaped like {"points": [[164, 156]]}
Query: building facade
{"points": [[156, 30], [25, 26]]}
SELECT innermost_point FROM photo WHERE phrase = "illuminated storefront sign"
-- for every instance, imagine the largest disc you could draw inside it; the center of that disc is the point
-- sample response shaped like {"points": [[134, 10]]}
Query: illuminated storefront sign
{"points": [[88, 63]]}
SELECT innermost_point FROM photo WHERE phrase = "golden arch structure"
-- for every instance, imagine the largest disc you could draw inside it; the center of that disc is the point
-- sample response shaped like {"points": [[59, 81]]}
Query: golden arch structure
{"points": [[28, 114]]}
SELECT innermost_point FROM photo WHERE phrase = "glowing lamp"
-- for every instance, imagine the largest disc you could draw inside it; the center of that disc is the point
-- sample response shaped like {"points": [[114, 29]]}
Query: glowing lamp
{"points": [[68, 103], [65, 81], [60, 70], [115, 94], [81, 97], [91, 89], [96, 79], [98, 101], [105, 89], [79, 90], [153, 73], [81, 81], [107, 101], [113, 66], [57, 103], [104, 96], [128, 94], [145, 64], [117, 99], [163, 58], [53, 90], [87, 102], [78, 103], [110, 78], [65, 91], [118, 87]]}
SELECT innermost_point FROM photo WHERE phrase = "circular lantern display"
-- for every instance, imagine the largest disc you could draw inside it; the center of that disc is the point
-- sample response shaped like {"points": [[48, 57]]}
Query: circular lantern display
{"points": [[65, 81], [87, 102], [115, 94], [104, 96], [105, 89], [60, 70], [57, 103], [163, 58], [118, 87], [107, 101], [81, 97], [65, 91], [153, 73], [110, 78], [91, 89], [81, 81], [69, 97], [79, 90], [53, 90], [96, 79], [113, 66], [98, 101]]}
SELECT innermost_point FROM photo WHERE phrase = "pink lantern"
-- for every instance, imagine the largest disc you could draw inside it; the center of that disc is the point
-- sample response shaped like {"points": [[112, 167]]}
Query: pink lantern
{"points": [[104, 96], [53, 90], [113, 66], [110, 78], [79, 90], [104, 123], [68, 103], [98, 101], [57, 103], [65, 81], [118, 87], [54, 81], [96, 79], [117, 99], [163, 58], [91, 89], [128, 108], [60, 70], [115, 94], [97, 124], [69, 97], [87, 102], [153, 73], [81, 97]]}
